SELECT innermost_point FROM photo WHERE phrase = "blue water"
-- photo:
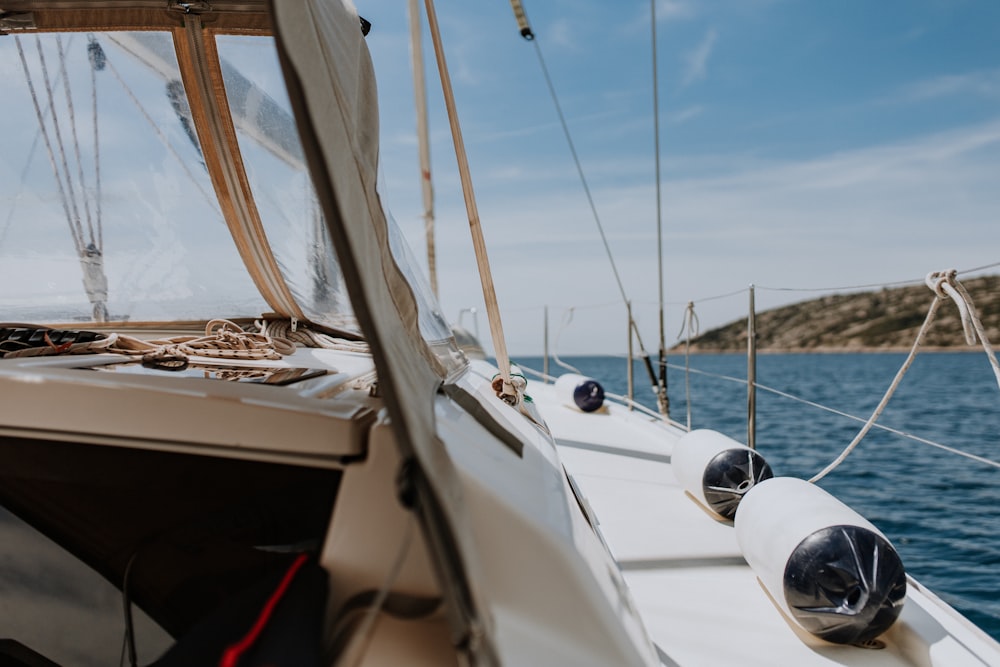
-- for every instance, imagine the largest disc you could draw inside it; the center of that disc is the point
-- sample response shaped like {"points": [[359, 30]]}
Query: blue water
{"points": [[940, 510]]}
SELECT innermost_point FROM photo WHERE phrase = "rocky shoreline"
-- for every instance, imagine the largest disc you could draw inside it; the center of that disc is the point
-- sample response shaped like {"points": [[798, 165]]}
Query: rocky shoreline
{"points": [[885, 320]]}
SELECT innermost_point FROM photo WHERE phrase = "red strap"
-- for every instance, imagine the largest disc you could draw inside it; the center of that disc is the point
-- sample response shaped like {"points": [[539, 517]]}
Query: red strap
{"points": [[231, 656]]}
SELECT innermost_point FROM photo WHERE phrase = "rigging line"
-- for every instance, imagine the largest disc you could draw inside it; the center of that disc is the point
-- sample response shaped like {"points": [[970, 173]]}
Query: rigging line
{"points": [[78, 225], [897, 283], [590, 199], [93, 47], [847, 415], [980, 268], [76, 142], [27, 164], [48, 142], [719, 296], [212, 202], [889, 429], [590, 306], [888, 394], [27, 167], [717, 376], [579, 167]]}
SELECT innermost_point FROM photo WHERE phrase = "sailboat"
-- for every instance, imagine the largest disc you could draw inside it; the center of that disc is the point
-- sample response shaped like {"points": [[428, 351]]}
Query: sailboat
{"points": [[238, 430]]}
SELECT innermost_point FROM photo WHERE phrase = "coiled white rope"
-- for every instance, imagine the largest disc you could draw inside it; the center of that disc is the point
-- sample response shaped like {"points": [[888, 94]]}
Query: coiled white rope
{"points": [[293, 331], [945, 285], [222, 340]]}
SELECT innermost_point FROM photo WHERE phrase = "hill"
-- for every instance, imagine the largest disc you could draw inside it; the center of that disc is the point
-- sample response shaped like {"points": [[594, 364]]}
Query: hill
{"points": [[886, 319]]}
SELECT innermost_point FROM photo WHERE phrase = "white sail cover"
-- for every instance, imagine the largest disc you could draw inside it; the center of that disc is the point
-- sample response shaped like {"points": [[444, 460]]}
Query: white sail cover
{"points": [[332, 88]]}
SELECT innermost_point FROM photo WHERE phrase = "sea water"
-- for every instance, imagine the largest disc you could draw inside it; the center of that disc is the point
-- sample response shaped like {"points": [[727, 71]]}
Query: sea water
{"points": [[939, 509]]}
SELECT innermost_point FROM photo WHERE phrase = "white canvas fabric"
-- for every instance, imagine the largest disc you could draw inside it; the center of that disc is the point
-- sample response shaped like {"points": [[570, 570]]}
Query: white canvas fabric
{"points": [[332, 88]]}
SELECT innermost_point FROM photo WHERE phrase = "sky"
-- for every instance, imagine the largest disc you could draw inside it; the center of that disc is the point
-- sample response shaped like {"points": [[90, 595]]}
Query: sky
{"points": [[806, 148]]}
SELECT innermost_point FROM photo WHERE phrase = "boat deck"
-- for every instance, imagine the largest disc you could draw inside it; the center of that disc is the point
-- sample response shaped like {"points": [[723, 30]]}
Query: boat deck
{"points": [[687, 575]]}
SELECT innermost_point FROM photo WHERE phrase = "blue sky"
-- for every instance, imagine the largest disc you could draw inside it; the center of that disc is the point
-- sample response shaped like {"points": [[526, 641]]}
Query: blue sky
{"points": [[805, 145]]}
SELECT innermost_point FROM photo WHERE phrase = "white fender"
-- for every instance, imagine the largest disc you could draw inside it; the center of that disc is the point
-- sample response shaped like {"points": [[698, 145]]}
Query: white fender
{"points": [[828, 568], [716, 469]]}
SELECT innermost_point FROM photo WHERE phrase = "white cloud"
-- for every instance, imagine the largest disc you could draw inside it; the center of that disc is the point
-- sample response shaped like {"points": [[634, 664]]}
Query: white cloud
{"points": [[561, 34], [984, 83], [696, 60], [684, 115], [875, 215], [672, 10]]}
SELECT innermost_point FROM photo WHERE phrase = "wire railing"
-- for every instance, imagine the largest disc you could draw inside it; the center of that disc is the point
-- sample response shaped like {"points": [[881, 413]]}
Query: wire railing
{"points": [[752, 385], [840, 413]]}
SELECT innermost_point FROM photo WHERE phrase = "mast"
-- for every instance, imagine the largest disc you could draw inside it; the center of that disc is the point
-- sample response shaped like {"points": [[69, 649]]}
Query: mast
{"points": [[423, 139], [662, 400]]}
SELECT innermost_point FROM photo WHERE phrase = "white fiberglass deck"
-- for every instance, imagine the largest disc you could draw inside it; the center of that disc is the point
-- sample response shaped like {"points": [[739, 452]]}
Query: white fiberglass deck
{"points": [[701, 602]]}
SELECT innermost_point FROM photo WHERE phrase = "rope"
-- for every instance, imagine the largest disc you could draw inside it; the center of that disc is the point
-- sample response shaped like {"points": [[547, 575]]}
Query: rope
{"points": [[88, 248], [97, 62], [658, 387], [948, 283], [212, 201], [847, 288], [841, 288], [888, 429], [945, 285], [66, 173], [579, 168], [525, 405], [222, 340], [847, 415], [714, 298], [296, 333], [77, 239], [839, 413], [980, 268], [76, 143]]}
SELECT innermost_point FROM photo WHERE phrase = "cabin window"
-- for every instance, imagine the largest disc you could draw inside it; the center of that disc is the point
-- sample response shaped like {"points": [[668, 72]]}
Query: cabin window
{"points": [[106, 209]]}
